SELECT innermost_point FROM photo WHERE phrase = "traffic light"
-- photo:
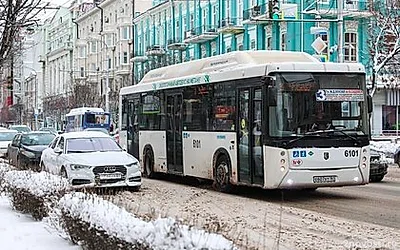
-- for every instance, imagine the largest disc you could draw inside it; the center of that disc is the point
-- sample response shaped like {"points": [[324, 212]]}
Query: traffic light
{"points": [[273, 7], [9, 83]]}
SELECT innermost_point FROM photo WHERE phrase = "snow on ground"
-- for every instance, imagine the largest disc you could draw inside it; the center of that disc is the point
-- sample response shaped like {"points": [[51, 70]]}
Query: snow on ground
{"points": [[387, 147], [20, 232]]}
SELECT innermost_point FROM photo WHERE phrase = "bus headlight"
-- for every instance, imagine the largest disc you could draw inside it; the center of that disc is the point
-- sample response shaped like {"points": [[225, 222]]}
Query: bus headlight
{"points": [[364, 165], [364, 159], [283, 168]]}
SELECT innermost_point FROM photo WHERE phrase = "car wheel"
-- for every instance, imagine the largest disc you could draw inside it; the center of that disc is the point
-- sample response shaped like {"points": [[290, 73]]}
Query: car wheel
{"points": [[19, 164], [222, 174], [63, 173], [42, 167], [148, 164], [134, 189], [377, 178]]}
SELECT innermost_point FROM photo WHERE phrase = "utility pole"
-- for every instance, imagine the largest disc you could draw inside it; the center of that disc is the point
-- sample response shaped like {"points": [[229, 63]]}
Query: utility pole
{"points": [[107, 82], [340, 30]]}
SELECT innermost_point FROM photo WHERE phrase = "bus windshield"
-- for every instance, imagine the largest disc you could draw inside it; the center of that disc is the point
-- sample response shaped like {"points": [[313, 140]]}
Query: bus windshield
{"points": [[97, 119], [305, 103]]}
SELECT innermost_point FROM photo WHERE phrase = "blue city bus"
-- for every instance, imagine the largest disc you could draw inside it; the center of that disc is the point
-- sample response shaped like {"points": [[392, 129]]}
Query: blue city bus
{"points": [[79, 119]]}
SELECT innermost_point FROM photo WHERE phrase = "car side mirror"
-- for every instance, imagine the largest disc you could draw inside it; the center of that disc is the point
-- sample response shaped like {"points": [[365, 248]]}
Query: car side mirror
{"points": [[58, 150], [369, 104]]}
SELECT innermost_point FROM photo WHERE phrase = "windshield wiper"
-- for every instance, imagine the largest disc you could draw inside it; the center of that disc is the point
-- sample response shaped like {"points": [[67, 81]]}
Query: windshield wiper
{"points": [[79, 151], [319, 132], [306, 135], [333, 131]]}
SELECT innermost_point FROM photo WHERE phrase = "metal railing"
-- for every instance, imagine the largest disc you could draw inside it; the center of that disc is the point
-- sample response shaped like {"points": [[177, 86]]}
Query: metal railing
{"points": [[257, 10]]}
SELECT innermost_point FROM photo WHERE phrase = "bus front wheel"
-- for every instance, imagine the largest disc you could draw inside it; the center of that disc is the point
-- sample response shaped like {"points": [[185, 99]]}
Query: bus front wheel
{"points": [[148, 164], [221, 174]]}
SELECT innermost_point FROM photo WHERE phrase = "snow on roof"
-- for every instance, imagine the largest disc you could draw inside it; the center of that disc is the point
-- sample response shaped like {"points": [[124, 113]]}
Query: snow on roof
{"points": [[235, 65], [77, 111], [84, 134], [230, 60]]}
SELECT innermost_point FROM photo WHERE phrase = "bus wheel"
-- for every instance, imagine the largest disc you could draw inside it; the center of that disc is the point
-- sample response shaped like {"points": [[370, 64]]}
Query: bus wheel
{"points": [[148, 164], [221, 176]]}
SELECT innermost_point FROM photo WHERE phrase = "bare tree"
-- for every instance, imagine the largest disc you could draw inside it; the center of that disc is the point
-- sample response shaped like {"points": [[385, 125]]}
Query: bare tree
{"points": [[16, 15], [384, 39]]}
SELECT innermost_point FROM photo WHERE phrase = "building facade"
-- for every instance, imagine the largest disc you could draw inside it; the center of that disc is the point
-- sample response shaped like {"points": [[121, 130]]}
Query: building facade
{"points": [[103, 48], [176, 31], [57, 68]]}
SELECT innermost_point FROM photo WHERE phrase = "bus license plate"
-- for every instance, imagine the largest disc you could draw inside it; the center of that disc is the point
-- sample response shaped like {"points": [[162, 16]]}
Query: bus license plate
{"points": [[110, 176], [324, 179]]}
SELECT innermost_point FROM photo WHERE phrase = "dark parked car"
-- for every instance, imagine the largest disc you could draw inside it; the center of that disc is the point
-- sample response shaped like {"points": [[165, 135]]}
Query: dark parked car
{"points": [[26, 149], [378, 167]]}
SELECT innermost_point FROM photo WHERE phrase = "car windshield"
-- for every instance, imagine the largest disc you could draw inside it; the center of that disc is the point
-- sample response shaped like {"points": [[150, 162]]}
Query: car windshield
{"points": [[37, 139], [52, 130], [85, 145], [22, 129], [7, 136]]}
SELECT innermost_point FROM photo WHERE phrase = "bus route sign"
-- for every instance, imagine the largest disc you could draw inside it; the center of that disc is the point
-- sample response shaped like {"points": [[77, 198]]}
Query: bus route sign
{"points": [[342, 95]]}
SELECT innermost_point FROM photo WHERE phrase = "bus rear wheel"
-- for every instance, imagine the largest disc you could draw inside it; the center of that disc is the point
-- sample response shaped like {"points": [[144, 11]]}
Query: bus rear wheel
{"points": [[221, 174], [148, 164]]}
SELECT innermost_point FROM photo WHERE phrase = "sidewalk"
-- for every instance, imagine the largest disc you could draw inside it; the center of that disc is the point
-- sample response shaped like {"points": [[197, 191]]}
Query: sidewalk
{"points": [[20, 232]]}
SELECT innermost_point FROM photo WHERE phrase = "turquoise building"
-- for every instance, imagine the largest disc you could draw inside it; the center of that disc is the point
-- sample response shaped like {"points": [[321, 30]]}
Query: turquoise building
{"points": [[176, 31]]}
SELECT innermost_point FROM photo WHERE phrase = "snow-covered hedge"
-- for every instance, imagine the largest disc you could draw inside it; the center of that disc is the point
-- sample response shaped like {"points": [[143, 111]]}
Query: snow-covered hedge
{"points": [[34, 193], [104, 219], [39, 184], [4, 168]]}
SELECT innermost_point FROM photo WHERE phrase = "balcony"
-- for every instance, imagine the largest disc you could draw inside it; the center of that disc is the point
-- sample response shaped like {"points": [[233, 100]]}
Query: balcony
{"points": [[231, 26], [123, 69], [155, 50], [256, 13], [201, 34], [139, 57], [124, 21], [176, 44], [351, 9]]}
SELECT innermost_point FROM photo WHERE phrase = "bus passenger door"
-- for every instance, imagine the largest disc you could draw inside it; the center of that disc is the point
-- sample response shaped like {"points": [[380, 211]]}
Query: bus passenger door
{"points": [[174, 133], [250, 151], [133, 127]]}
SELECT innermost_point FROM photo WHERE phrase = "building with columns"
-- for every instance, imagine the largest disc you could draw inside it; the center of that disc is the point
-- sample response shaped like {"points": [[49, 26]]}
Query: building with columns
{"points": [[176, 31]]}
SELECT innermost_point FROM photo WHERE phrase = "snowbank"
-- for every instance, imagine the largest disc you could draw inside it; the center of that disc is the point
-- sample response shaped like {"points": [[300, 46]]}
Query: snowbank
{"points": [[160, 234], [39, 184], [389, 148]]}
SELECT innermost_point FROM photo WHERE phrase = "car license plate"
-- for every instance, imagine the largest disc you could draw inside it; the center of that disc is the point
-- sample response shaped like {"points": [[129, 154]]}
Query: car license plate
{"points": [[324, 179], [110, 176]]}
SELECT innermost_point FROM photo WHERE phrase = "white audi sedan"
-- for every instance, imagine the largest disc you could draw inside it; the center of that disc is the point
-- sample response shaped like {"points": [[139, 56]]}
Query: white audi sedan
{"points": [[90, 157]]}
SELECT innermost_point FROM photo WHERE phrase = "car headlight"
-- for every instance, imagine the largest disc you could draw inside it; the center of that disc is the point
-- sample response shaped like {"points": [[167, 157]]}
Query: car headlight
{"points": [[133, 164], [78, 167], [28, 154]]}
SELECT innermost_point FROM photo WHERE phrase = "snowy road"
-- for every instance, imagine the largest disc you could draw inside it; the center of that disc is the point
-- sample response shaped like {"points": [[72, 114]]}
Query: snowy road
{"points": [[364, 217], [21, 232]]}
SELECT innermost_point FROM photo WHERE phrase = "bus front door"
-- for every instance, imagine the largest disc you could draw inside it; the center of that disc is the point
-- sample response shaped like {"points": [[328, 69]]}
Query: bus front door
{"points": [[174, 133], [250, 152]]}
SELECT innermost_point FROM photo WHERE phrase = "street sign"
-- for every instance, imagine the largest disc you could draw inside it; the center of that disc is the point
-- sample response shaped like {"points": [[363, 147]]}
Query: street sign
{"points": [[318, 30], [319, 45]]}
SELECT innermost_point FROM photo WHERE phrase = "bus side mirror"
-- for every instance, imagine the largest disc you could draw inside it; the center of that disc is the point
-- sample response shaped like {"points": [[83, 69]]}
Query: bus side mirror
{"points": [[369, 104], [271, 96]]}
